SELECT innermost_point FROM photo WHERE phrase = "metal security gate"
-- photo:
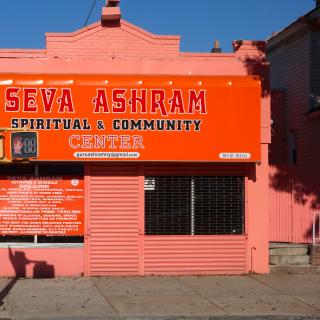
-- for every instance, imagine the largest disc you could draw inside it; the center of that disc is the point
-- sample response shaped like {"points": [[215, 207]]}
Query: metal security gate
{"points": [[194, 224], [113, 205], [124, 238]]}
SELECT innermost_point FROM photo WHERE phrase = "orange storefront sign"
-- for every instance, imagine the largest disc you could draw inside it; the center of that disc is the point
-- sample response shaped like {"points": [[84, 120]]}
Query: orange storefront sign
{"points": [[137, 118], [41, 205]]}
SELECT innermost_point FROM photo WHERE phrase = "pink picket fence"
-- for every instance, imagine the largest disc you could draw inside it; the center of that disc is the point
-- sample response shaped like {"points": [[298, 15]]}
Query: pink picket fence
{"points": [[294, 196]]}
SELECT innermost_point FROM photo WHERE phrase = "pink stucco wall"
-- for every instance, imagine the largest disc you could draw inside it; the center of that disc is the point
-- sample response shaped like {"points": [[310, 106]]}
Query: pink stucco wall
{"points": [[41, 262], [127, 49]]}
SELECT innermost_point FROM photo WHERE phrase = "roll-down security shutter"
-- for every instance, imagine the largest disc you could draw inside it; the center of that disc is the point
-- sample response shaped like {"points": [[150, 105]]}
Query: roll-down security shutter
{"points": [[113, 220]]}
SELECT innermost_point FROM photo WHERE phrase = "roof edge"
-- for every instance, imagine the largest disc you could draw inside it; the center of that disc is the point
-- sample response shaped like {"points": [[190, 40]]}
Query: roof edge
{"points": [[298, 20], [206, 55], [21, 50], [123, 22]]}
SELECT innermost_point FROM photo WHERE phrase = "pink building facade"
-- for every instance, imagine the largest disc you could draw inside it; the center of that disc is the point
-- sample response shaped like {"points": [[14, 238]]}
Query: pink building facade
{"points": [[117, 239]]}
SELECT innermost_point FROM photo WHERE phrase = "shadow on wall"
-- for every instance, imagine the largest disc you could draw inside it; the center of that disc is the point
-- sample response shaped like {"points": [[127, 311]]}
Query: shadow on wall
{"points": [[294, 189], [257, 64], [19, 262], [301, 182]]}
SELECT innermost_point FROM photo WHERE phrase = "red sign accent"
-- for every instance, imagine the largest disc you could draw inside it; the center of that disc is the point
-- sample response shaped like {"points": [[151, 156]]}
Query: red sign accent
{"points": [[41, 205]]}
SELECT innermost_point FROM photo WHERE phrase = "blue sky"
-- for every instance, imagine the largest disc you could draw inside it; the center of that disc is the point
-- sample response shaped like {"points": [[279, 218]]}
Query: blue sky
{"points": [[23, 23]]}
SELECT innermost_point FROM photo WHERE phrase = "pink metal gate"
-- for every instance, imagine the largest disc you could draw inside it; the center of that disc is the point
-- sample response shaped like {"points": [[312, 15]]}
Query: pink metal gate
{"points": [[115, 243], [113, 235], [294, 195]]}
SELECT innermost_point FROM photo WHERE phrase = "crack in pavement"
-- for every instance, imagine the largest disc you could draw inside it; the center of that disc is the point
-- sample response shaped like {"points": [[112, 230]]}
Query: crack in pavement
{"points": [[104, 297], [208, 299]]}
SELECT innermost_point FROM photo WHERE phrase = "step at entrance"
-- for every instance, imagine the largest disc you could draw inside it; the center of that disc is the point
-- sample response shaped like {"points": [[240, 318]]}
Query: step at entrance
{"points": [[288, 254]]}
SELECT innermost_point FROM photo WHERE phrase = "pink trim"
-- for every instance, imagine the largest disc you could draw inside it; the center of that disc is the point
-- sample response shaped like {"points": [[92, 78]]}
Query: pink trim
{"points": [[75, 33], [206, 55], [141, 219], [124, 25], [18, 50], [87, 219], [246, 218], [149, 34]]}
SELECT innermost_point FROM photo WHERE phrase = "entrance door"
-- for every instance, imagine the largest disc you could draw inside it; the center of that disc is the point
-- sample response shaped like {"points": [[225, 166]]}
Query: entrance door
{"points": [[114, 201]]}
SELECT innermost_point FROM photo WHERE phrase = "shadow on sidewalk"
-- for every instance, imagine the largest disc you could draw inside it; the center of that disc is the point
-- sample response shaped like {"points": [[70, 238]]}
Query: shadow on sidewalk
{"points": [[19, 262], [5, 291]]}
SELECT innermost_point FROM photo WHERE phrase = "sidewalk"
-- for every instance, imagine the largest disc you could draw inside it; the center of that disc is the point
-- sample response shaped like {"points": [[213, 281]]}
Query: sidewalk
{"points": [[162, 297]]}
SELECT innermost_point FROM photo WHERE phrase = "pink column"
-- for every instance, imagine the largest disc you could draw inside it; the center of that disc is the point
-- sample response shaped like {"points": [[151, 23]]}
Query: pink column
{"points": [[258, 215]]}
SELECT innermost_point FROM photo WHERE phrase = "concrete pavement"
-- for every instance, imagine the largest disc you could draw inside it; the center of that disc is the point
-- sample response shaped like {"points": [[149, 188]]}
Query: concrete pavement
{"points": [[275, 295]]}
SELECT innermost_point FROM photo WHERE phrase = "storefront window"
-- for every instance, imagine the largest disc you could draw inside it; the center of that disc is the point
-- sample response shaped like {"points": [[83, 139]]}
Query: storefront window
{"points": [[54, 203], [200, 205]]}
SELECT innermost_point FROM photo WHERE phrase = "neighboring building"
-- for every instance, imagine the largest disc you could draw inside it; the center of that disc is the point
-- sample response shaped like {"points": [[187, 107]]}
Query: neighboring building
{"points": [[151, 160], [294, 56]]}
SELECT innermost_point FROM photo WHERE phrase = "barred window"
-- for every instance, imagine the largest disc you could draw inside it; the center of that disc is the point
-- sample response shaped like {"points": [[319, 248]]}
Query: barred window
{"points": [[199, 205]]}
